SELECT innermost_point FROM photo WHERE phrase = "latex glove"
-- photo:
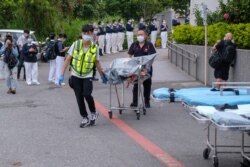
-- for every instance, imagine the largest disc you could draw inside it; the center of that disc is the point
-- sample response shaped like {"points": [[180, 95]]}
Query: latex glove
{"points": [[104, 79], [61, 79]]}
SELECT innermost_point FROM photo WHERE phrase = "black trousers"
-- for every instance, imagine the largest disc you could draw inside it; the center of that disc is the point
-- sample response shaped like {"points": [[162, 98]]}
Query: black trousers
{"points": [[146, 91], [19, 68], [83, 88]]}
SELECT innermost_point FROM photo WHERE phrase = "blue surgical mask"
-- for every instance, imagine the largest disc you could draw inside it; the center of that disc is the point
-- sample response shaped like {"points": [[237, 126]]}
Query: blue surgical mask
{"points": [[140, 39], [87, 38]]}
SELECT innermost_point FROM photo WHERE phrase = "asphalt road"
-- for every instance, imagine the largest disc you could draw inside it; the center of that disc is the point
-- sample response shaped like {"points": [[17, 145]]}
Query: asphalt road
{"points": [[39, 127]]}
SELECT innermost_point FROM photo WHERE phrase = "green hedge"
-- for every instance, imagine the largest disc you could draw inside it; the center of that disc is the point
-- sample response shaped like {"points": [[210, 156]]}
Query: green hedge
{"points": [[194, 35]]}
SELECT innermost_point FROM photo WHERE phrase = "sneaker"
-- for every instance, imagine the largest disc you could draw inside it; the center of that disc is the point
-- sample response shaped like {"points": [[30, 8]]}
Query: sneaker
{"points": [[84, 123], [13, 91], [36, 83], [94, 117], [28, 83]]}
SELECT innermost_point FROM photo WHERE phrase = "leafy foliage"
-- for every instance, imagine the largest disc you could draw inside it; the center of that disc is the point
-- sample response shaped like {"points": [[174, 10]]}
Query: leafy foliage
{"points": [[194, 35], [44, 16], [238, 11]]}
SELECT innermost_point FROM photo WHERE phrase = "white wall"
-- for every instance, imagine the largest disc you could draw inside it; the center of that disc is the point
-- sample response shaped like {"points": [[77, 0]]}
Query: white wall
{"points": [[212, 5]]}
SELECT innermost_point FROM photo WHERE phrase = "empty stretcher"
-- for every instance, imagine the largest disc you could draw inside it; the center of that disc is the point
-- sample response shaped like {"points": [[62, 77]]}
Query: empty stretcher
{"points": [[230, 112]]}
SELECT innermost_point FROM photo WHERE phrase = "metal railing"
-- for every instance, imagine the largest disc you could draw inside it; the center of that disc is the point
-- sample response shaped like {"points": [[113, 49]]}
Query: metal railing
{"points": [[182, 58]]}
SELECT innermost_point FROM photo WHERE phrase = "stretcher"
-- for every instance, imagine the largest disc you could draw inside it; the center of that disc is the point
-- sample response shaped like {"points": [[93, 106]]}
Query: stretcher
{"points": [[133, 70], [201, 102], [214, 147]]}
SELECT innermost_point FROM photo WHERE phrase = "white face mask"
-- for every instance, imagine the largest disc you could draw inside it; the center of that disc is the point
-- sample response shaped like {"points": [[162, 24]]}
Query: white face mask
{"points": [[140, 39], [87, 38]]}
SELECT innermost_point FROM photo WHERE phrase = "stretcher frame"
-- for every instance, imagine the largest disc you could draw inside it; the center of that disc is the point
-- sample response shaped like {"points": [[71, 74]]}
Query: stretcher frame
{"points": [[121, 106], [243, 129]]}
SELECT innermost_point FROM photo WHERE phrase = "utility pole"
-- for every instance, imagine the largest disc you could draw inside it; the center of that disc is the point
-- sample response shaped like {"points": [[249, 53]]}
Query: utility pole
{"points": [[204, 12]]}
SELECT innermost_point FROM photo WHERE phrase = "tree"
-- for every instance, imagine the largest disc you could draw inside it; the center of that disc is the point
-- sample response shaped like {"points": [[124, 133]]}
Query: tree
{"points": [[181, 7], [238, 10]]}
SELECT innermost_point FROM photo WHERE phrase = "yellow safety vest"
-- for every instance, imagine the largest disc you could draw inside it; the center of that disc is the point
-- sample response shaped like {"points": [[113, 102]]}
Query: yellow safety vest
{"points": [[82, 63]]}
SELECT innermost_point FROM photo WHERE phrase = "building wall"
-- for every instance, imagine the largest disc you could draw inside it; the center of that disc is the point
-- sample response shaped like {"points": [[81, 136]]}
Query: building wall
{"points": [[239, 73]]}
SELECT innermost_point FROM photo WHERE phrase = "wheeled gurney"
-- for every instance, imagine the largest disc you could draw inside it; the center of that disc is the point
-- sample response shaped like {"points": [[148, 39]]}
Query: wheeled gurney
{"points": [[200, 103], [120, 71]]}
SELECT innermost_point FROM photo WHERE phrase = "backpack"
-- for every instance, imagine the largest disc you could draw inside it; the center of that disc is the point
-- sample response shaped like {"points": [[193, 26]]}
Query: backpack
{"points": [[9, 59], [215, 60], [229, 53], [50, 53]]}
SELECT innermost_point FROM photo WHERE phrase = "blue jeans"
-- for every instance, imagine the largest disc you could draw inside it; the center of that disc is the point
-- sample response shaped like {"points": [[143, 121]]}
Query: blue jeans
{"points": [[10, 77]]}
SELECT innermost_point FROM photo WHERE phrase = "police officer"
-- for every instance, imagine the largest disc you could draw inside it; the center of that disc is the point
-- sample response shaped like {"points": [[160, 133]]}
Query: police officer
{"points": [[142, 25], [129, 32], [108, 36], [52, 62], [164, 34], [142, 47], [153, 31], [60, 55], [101, 37], [82, 56], [114, 36], [29, 52], [120, 35]]}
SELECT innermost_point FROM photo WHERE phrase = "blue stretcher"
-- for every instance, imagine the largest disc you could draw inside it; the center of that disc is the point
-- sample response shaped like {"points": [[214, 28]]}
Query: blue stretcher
{"points": [[201, 102]]}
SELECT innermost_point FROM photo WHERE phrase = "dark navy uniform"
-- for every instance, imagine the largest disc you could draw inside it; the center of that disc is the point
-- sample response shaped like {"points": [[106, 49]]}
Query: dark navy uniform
{"points": [[147, 49]]}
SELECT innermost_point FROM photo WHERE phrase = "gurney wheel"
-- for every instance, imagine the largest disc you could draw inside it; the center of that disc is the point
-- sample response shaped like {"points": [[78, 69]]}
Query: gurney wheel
{"points": [[120, 112], [144, 111], [138, 116], [245, 163], [215, 161], [206, 153], [110, 115]]}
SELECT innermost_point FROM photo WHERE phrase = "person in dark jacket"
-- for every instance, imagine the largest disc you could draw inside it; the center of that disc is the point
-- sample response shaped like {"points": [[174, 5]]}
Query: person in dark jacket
{"points": [[142, 25], [221, 73], [130, 32], [121, 30], [30, 62], [101, 37], [108, 36], [142, 47], [164, 34]]}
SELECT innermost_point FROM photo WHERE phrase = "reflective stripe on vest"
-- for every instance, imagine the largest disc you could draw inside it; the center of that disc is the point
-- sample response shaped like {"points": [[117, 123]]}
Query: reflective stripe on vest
{"points": [[82, 63]]}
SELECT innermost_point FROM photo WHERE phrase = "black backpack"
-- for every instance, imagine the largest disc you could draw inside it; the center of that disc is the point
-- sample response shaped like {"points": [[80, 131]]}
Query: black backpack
{"points": [[215, 60], [229, 53], [50, 53], [10, 59]]}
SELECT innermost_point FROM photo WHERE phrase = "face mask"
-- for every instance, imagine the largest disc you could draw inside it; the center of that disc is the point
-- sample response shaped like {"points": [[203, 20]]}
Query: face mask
{"points": [[87, 38], [140, 38]]}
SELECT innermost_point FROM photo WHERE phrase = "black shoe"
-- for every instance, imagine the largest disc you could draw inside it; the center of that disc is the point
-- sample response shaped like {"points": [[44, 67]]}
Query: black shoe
{"points": [[214, 89], [95, 79], [147, 105], [85, 122], [133, 104]]}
